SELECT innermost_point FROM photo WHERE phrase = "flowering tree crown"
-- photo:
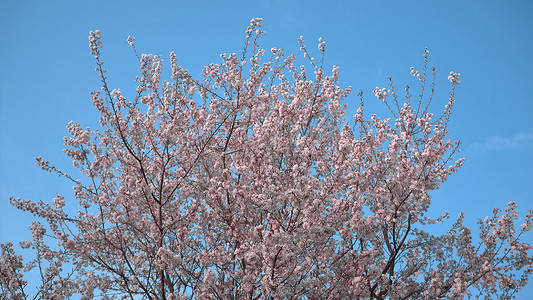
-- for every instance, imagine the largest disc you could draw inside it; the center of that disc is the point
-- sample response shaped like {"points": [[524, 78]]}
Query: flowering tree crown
{"points": [[249, 184]]}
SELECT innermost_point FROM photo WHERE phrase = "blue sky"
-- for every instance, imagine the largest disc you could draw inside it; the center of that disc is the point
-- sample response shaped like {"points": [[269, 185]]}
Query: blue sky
{"points": [[46, 74]]}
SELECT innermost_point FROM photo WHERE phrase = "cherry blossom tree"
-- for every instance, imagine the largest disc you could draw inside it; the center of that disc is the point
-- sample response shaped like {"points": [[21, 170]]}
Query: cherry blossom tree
{"points": [[249, 183]]}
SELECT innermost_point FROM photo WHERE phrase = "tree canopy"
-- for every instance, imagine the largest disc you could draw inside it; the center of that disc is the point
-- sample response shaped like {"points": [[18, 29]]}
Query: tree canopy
{"points": [[249, 183]]}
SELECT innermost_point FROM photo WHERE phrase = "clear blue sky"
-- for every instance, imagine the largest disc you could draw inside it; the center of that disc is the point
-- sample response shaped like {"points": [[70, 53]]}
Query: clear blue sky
{"points": [[46, 74]]}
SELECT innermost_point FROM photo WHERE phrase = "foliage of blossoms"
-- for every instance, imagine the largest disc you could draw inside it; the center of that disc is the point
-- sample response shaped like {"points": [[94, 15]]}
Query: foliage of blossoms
{"points": [[250, 184]]}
